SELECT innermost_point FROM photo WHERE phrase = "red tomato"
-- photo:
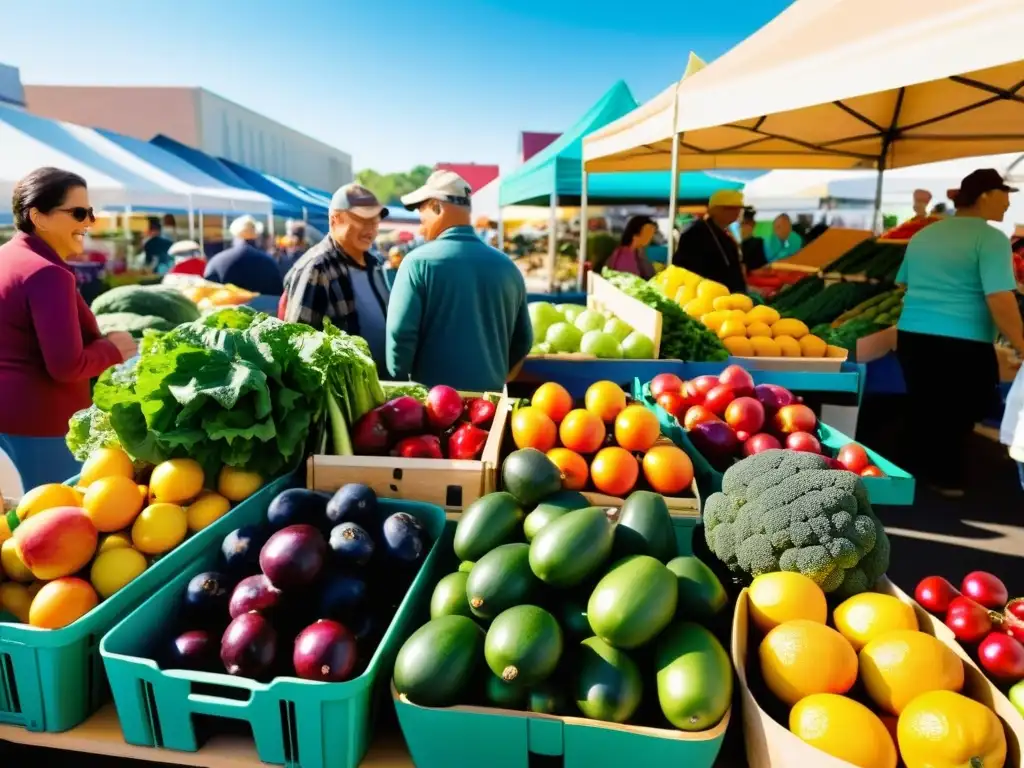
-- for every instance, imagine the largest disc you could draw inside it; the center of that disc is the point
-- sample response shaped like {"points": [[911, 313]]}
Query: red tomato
{"points": [[718, 399], [1002, 657], [736, 377], [697, 414], [745, 414], [853, 458], [935, 594], [795, 418], [703, 384], [665, 382], [969, 621], [986, 589], [803, 441], [673, 402], [871, 471]]}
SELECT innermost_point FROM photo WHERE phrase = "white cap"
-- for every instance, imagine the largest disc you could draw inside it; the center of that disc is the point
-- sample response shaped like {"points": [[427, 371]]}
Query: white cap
{"points": [[244, 224], [183, 246], [443, 186]]}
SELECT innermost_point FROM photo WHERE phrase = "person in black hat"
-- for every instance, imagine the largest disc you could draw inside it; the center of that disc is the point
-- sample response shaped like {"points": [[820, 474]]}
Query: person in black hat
{"points": [[960, 291]]}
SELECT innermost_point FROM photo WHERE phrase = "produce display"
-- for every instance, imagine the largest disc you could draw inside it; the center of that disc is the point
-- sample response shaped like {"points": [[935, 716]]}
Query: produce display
{"points": [[682, 337], [235, 388], [816, 304], [876, 314], [443, 425], [909, 228], [874, 259], [870, 688], [768, 281], [66, 549], [308, 594], [988, 624], [605, 443], [559, 608], [207, 295], [568, 328]]}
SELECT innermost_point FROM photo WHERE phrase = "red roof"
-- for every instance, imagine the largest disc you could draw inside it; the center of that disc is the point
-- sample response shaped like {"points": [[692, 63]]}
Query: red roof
{"points": [[477, 176], [532, 143]]}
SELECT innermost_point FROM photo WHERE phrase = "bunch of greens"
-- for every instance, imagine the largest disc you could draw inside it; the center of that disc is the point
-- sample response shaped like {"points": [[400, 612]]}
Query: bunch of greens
{"points": [[88, 431], [236, 388], [393, 389], [682, 337]]}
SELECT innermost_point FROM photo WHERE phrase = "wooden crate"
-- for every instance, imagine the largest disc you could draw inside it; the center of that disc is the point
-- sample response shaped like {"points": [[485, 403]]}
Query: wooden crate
{"points": [[448, 483], [824, 249], [770, 744]]}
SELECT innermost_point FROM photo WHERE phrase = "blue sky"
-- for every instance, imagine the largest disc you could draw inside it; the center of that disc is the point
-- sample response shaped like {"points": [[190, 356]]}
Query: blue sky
{"points": [[394, 83]]}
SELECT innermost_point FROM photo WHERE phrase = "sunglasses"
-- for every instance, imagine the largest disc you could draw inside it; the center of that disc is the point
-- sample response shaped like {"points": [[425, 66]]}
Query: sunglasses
{"points": [[80, 214]]}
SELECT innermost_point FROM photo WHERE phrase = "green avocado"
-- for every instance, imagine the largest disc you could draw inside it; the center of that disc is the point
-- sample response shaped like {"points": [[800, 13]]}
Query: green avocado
{"points": [[609, 686], [449, 597], [568, 550], [530, 476], [500, 580], [645, 527], [524, 645], [488, 522], [701, 594], [694, 677], [553, 507], [633, 602], [437, 664]]}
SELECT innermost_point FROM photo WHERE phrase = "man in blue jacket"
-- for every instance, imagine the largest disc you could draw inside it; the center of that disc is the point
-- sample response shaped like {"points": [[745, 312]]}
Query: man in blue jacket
{"points": [[245, 265], [458, 312]]}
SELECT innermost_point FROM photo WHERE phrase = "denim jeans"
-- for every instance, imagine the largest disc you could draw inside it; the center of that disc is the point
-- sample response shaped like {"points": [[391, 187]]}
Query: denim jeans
{"points": [[40, 459]]}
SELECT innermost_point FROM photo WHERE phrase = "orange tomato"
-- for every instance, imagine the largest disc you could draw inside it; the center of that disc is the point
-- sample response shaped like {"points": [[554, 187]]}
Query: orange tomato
{"points": [[614, 471], [636, 428], [574, 468], [668, 469], [606, 399], [582, 431], [532, 428], [553, 399]]}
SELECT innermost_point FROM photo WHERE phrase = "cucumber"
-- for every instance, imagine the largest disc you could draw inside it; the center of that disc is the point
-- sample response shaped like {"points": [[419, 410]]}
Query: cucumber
{"points": [[488, 522], [694, 677], [438, 662], [573, 547], [500, 580], [608, 686]]}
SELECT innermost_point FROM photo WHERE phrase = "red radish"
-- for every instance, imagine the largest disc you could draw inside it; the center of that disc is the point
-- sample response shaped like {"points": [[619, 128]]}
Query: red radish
{"points": [[697, 414], [403, 414], [444, 406], [736, 377], [872, 471], [480, 412], [745, 414], [701, 385], [718, 399], [760, 442], [370, 435], [803, 441], [853, 458], [419, 447], [773, 397], [466, 442], [795, 418], [935, 593], [665, 382], [969, 620], [986, 589], [1002, 657], [673, 402]]}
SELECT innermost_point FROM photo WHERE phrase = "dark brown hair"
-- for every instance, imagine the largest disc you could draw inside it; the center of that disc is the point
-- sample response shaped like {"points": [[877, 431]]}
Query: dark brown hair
{"points": [[44, 189]]}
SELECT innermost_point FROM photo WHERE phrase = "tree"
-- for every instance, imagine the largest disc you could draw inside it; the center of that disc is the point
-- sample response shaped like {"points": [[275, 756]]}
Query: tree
{"points": [[388, 187]]}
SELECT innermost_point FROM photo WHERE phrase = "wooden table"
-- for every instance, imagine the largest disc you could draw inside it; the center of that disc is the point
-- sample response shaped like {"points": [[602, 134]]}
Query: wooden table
{"points": [[101, 735]]}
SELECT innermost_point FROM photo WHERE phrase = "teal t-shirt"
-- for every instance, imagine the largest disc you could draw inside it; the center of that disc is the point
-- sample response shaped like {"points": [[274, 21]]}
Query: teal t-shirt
{"points": [[457, 315], [775, 249], [949, 268]]}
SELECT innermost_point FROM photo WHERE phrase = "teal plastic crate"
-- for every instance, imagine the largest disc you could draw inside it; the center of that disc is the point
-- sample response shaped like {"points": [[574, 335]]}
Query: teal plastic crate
{"points": [[295, 723], [896, 488], [472, 737], [53, 679]]}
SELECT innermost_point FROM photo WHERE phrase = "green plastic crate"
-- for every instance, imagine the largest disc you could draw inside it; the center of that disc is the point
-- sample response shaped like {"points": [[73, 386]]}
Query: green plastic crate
{"points": [[896, 488], [295, 723], [472, 737], [52, 679]]}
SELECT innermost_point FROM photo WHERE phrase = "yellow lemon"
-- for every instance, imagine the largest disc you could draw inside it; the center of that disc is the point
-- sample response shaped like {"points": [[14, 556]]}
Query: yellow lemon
{"points": [[120, 540], [783, 596], [802, 657], [765, 347], [698, 307], [45, 497], [711, 290], [13, 565], [206, 509], [714, 320], [16, 600], [789, 346], [738, 346], [787, 326], [812, 346], [843, 728], [762, 314], [863, 617], [837, 352], [106, 462], [176, 481], [236, 485], [757, 328], [732, 327], [159, 528], [115, 568], [113, 503], [899, 666], [942, 728]]}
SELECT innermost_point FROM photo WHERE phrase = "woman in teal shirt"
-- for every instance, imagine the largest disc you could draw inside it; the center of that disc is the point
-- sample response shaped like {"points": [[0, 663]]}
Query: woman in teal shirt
{"points": [[960, 291], [783, 241]]}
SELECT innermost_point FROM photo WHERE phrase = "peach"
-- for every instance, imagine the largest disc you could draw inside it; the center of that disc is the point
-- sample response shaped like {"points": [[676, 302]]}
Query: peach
{"points": [[56, 542], [61, 602]]}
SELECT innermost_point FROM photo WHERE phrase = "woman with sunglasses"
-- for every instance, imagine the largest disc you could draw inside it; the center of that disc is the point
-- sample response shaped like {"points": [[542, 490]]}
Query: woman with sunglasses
{"points": [[50, 344]]}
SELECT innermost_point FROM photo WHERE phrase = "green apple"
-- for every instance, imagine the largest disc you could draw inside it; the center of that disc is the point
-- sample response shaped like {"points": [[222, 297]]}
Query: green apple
{"points": [[619, 329], [542, 316], [636, 346], [590, 320], [600, 344], [1017, 696], [563, 337], [571, 311]]}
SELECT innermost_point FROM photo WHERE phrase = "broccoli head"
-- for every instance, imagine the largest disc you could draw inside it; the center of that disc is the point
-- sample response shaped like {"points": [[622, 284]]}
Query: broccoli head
{"points": [[787, 511]]}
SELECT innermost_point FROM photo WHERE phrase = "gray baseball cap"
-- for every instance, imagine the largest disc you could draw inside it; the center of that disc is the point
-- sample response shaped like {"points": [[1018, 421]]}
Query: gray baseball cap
{"points": [[357, 199]]}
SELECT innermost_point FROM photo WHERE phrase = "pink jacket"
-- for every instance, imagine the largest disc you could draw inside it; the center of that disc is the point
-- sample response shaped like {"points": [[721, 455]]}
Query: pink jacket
{"points": [[626, 259]]}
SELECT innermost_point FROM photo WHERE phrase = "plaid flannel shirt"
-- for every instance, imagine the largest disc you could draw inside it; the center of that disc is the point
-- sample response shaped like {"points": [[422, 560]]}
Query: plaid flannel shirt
{"points": [[319, 285]]}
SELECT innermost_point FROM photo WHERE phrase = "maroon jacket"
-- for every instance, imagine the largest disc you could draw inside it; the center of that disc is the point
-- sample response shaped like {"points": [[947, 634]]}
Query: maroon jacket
{"points": [[50, 345]]}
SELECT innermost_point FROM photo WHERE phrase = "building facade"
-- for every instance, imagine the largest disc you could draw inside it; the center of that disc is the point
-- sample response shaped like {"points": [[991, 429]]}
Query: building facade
{"points": [[200, 119]]}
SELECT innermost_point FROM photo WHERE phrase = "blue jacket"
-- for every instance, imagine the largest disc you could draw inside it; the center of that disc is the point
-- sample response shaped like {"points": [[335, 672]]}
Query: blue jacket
{"points": [[247, 267]]}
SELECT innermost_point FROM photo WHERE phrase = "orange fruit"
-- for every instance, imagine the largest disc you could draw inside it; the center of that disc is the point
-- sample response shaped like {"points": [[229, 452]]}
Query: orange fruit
{"points": [[553, 399], [582, 431], [945, 728], [605, 399], [900, 665], [802, 657], [106, 462], [636, 428], [573, 466], [614, 471], [113, 503], [532, 428], [845, 729], [668, 469], [61, 602]]}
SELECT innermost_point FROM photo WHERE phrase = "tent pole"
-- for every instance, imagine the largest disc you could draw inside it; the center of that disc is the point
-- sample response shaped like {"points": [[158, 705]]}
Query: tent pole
{"points": [[552, 242], [673, 201], [584, 232], [202, 233], [876, 222], [191, 220], [129, 253]]}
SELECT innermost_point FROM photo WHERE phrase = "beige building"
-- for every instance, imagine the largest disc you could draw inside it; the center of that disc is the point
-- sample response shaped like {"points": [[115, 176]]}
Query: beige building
{"points": [[200, 119]]}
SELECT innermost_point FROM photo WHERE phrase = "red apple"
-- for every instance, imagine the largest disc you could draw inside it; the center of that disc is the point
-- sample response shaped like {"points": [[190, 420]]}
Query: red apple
{"points": [[665, 382], [701, 385], [985, 588], [697, 414], [718, 399], [760, 442], [739, 379], [673, 402], [1002, 657], [803, 441], [935, 594], [795, 418], [744, 414], [871, 471], [853, 458], [969, 620]]}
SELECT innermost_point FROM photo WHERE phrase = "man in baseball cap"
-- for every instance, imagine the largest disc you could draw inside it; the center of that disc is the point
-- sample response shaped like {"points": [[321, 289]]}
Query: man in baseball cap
{"points": [[708, 248], [458, 311], [341, 277], [245, 264]]}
